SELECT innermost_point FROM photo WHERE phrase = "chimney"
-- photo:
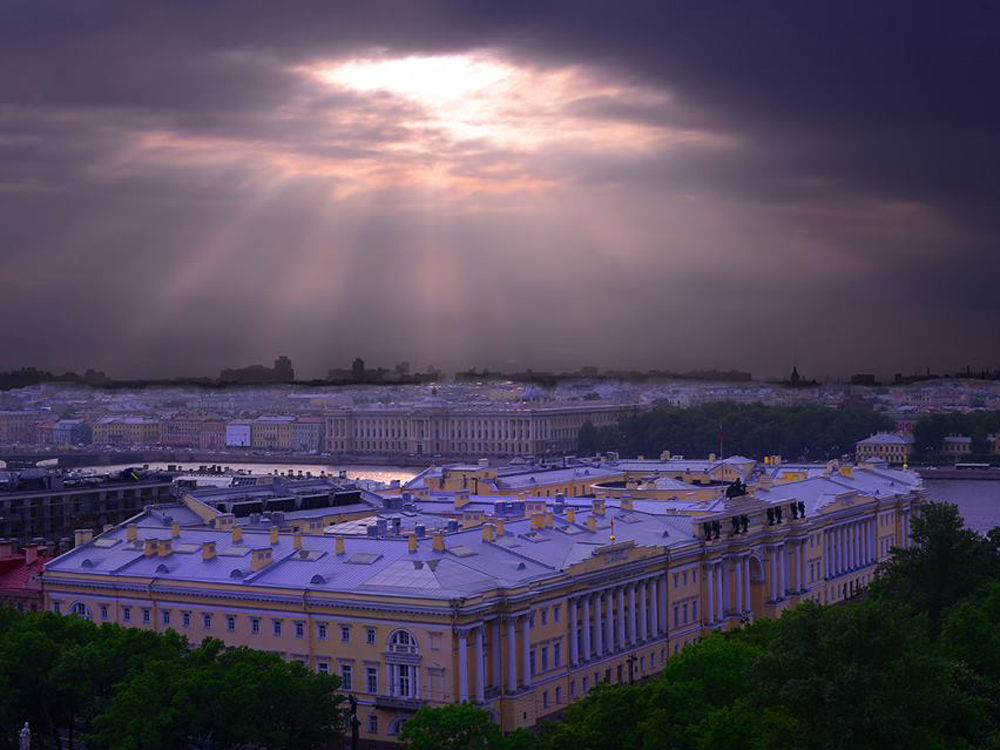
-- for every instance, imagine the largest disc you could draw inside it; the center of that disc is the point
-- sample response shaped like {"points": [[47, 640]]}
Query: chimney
{"points": [[461, 499], [438, 544], [297, 541], [550, 521], [261, 558], [411, 543], [274, 535], [571, 515], [164, 547], [339, 546], [150, 548], [499, 527], [237, 534], [175, 530], [711, 458], [626, 504], [591, 523], [536, 521], [598, 508], [420, 530], [131, 532], [488, 532], [30, 554], [207, 551], [82, 536]]}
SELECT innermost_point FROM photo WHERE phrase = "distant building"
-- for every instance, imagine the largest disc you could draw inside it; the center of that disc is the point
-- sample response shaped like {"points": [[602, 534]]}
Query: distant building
{"points": [[890, 447], [21, 426], [71, 432], [126, 431], [309, 434], [238, 434], [282, 372], [211, 435], [956, 445], [273, 433], [20, 576]]}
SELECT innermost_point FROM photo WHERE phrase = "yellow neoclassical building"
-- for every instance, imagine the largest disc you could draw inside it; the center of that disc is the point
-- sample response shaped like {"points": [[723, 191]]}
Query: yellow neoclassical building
{"points": [[519, 615]]}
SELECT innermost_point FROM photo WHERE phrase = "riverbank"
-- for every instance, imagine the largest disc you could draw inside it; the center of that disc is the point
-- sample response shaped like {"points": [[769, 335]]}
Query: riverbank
{"points": [[952, 473]]}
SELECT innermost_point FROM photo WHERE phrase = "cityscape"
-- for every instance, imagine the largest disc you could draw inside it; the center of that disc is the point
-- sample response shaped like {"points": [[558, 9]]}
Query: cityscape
{"points": [[411, 375]]}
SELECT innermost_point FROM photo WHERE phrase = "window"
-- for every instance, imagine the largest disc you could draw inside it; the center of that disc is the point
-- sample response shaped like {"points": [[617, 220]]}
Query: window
{"points": [[206, 622], [531, 662], [555, 613], [321, 631], [585, 684], [642, 663], [57, 607], [346, 672], [323, 667], [685, 578], [545, 699], [255, 625], [545, 658], [677, 579], [80, 609], [230, 623], [556, 654], [370, 636], [300, 630], [676, 620], [531, 620], [572, 688], [403, 642], [685, 613], [345, 633], [166, 616], [372, 724], [694, 575], [404, 680], [545, 616], [126, 613], [371, 680], [694, 610], [146, 616]]}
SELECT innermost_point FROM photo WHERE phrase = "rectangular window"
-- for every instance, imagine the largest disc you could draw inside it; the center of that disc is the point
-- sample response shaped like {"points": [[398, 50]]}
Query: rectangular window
{"points": [[558, 695], [677, 580], [585, 684], [642, 663], [572, 688], [126, 613], [545, 616], [676, 620], [300, 630], [694, 576], [346, 672], [206, 622], [230, 623], [545, 658], [555, 613], [370, 636], [146, 616], [531, 662], [186, 619], [321, 631], [345, 633], [255, 625], [371, 680], [57, 607], [694, 610], [685, 578], [557, 654], [545, 699], [685, 613], [323, 667], [104, 611], [166, 616], [372, 724]]}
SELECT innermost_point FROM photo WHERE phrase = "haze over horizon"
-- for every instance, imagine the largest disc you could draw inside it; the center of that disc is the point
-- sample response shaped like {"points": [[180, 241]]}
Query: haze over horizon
{"points": [[543, 185]]}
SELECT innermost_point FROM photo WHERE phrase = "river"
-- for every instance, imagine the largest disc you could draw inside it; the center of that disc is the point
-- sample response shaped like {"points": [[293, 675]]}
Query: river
{"points": [[378, 473], [977, 500]]}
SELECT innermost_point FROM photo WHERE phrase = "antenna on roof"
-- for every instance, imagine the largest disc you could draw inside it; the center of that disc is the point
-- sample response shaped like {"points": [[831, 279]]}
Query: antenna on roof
{"points": [[612, 538]]}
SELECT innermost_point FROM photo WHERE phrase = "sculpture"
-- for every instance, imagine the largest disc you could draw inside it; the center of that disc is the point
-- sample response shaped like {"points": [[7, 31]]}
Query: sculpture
{"points": [[24, 738]]}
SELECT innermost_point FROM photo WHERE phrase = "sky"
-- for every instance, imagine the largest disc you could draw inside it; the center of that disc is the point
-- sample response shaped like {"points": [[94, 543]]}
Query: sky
{"points": [[539, 184]]}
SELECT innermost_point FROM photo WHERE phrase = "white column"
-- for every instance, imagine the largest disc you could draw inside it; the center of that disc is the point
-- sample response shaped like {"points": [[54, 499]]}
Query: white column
{"points": [[803, 554], [774, 574], [631, 615], [739, 585], [642, 610], [497, 662], [586, 627], [855, 546], [719, 613], [598, 625], [654, 606], [480, 663], [574, 634], [609, 621], [463, 667], [511, 656], [710, 588], [664, 602], [525, 653], [622, 642], [746, 585], [782, 565], [726, 596]]}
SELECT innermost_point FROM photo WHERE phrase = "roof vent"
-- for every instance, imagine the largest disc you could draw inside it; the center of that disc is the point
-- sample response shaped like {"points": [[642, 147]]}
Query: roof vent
{"points": [[161, 568], [317, 580], [236, 574]]}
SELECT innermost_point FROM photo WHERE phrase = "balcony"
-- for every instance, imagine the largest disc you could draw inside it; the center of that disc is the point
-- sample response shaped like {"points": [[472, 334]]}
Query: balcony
{"points": [[397, 703]]}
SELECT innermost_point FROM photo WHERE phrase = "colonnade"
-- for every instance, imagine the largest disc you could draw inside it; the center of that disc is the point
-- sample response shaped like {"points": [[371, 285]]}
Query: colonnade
{"points": [[849, 546]]}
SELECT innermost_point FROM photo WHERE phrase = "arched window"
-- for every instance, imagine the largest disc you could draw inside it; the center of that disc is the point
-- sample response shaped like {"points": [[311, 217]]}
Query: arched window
{"points": [[403, 642], [80, 610], [396, 727]]}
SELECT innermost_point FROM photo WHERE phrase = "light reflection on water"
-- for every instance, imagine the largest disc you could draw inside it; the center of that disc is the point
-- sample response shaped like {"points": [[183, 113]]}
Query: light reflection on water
{"points": [[977, 500], [378, 473]]}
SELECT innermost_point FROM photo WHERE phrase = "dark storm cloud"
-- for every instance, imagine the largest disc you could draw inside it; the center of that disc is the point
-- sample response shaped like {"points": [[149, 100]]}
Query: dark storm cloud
{"points": [[850, 213]]}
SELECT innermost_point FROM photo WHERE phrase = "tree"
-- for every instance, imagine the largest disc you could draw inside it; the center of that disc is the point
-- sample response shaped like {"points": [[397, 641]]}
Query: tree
{"points": [[946, 563], [452, 727]]}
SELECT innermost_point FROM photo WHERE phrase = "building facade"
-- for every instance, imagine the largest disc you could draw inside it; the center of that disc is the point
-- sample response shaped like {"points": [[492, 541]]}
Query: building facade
{"points": [[520, 616]]}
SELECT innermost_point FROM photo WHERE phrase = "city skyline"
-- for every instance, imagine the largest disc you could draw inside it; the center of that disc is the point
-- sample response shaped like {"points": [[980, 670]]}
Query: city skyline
{"points": [[534, 185]]}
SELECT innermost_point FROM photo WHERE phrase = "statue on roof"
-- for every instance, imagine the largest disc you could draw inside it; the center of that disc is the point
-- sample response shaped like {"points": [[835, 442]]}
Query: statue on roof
{"points": [[736, 489]]}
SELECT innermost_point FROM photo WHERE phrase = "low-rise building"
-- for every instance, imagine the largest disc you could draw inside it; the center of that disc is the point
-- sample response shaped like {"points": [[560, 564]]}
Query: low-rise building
{"points": [[892, 448], [20, 576], [520, 615]]}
